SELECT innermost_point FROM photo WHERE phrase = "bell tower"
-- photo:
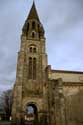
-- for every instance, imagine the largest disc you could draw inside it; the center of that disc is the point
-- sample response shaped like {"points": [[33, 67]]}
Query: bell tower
{"points": [[33, 45], [29, 88]]}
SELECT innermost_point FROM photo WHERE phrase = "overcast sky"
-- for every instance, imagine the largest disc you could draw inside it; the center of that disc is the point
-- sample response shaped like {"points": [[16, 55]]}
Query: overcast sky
{"points": [[63, 23]]}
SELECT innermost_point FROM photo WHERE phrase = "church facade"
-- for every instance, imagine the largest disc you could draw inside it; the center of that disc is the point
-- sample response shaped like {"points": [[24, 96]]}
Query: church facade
{"points": [[47, 96]]}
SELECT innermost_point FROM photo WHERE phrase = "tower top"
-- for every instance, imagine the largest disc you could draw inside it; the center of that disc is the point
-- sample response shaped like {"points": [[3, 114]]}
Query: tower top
{"points": [[33, 13], [32, 27]]}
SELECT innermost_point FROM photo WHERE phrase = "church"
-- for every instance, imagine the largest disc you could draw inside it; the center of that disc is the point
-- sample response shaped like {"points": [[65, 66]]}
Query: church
{"points": [[42, 95]]}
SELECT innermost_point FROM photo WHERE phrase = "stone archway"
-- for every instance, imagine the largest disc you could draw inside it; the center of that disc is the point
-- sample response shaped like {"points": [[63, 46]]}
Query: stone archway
{"points": [[31, 114]]}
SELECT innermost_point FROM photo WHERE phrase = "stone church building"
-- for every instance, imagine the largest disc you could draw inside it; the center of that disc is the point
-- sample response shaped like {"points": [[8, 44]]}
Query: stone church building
{"points": [[45, 95]]}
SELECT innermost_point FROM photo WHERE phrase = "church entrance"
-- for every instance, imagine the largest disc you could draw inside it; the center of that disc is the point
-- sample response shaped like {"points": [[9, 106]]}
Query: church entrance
{"points": [[31, 115]]}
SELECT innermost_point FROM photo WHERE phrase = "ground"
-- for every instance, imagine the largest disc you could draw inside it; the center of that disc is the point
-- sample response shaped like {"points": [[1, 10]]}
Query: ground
{"points": [[5, 123]]}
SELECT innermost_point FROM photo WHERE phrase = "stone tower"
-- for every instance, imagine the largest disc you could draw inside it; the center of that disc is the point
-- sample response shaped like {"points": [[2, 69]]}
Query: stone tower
{"points": [[41, 95], [30, 85]]}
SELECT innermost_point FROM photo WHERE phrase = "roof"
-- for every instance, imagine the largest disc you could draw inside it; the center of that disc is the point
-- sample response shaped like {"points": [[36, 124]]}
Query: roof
{"points": [[33, 13], [65, 71]]}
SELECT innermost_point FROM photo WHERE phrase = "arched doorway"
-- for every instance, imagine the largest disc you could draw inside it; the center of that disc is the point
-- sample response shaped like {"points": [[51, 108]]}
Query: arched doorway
{"points": [[31, 114]]}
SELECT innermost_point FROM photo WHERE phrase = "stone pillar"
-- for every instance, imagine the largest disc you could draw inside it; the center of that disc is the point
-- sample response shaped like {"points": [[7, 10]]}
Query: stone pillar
{"points": [[59, 104]]}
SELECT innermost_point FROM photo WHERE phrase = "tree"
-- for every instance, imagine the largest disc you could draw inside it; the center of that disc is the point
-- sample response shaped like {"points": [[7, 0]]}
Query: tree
{"points": [[6, 98]]}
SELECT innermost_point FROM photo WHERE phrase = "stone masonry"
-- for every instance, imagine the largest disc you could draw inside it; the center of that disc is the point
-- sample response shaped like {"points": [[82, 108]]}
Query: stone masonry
{"points": [[55, 95]]}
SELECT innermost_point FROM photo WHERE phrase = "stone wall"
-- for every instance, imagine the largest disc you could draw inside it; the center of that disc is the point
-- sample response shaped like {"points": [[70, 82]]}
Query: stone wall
{"points": [[73, 94], [74, 105], [66, 76]]}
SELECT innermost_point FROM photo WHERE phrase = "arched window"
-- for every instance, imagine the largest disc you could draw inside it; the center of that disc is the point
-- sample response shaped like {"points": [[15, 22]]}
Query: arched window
{"points": [[34, 50], [30, 68], [33, 25], [33, 34], [30, 49], [27, 26], [34, 68]]}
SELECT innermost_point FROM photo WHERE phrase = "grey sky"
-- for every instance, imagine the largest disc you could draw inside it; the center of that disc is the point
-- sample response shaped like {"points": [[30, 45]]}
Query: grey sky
{"points": [[63, 23]]}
